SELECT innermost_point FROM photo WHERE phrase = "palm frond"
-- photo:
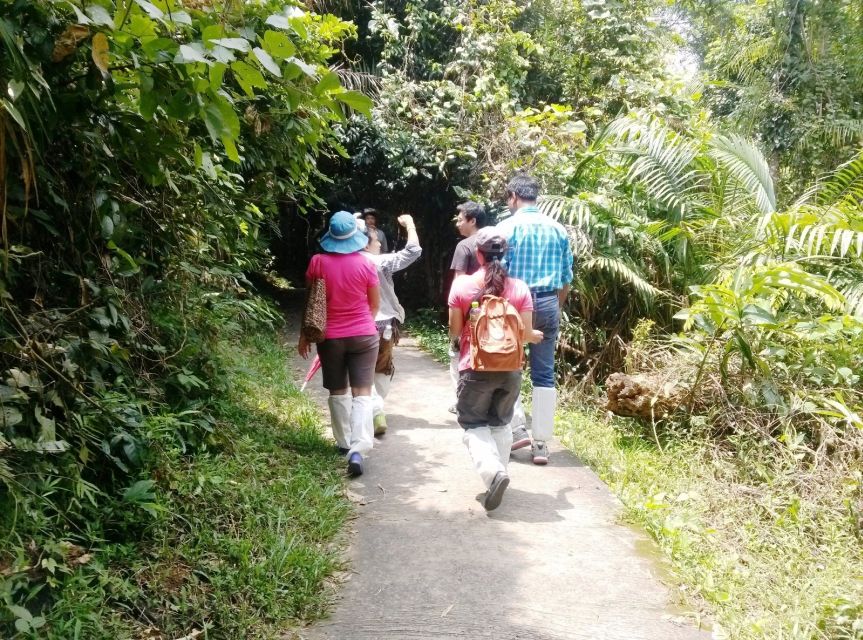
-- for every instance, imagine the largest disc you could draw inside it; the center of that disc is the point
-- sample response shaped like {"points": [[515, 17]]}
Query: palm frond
{"points": [[745, 63], [359, 80], [623, 274], [853, 298], [746, 164], [661, 161], [844, 184], [571, 211]]}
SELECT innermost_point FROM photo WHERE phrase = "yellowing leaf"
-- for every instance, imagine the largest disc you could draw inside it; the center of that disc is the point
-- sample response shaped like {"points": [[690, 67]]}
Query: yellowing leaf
{"points": [[66, 44], [100, 53]]}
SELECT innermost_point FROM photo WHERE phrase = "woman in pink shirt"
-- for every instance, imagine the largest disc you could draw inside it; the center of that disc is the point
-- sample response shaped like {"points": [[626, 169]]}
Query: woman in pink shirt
{"points": [[485, 399], [350, 346]]}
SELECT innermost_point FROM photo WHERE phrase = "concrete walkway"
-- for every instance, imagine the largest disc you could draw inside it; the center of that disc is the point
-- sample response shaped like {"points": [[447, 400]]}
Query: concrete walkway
{"points": [[427, 561]]}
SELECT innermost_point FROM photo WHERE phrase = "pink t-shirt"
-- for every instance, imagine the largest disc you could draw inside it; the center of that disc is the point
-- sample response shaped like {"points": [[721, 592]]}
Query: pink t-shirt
{"points": [[464, 291], [349, 277]]}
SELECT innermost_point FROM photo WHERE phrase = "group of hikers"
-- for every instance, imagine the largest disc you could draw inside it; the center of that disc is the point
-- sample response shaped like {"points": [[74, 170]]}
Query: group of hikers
{"points": [[511, 281]]}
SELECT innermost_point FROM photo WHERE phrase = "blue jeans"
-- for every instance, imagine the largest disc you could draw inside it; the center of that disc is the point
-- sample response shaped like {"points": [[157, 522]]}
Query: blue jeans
{"points": [[546, 318]]}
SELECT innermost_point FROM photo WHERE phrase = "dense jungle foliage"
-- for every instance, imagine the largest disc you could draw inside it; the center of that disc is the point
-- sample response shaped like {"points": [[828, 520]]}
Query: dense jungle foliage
{"points": [[707, 158]]}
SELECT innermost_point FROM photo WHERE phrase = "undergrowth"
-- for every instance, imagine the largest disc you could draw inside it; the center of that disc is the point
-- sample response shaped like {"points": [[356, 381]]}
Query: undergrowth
{"points": [[236, 542]]}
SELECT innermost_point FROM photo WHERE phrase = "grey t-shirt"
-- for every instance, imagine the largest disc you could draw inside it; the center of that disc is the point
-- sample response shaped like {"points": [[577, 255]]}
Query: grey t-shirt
{"points": [[464, 258]]}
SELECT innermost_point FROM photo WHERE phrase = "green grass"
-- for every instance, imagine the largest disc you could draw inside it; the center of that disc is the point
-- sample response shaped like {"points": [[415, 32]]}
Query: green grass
{"points": [[238, 542], [764, 552], [430, 333]]}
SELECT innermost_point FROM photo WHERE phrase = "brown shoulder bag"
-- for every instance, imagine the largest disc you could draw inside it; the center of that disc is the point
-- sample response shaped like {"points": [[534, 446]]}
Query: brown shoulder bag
{"points": [[314, 325]]}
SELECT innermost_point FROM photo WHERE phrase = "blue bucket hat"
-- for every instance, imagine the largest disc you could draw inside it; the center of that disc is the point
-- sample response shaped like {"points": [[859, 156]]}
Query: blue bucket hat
{"points": [[344, 234]]}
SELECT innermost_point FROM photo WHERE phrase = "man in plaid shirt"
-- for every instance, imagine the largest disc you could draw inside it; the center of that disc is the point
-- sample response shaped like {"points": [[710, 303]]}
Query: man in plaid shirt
{"points": [[538, 253]]}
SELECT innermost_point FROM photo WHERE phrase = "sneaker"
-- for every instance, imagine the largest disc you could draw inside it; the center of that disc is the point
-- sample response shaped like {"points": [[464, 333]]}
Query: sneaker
{"points": [[495, 492], [380, 422], [520, 438], [355, 465], [540, 452], [452, 409]]}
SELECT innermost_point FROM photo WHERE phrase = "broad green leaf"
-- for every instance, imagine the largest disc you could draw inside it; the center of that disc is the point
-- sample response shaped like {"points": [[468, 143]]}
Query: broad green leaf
{"points": [[278, 45], [280, 22], [152, 10], [212, 32], [180, 17], [217, 75], [160, 49], [147, 104], [328, 82], [207, 166], [239, 44], [99, 15], [13, 111], [141, 27], [9, 417], [139, 492], [356, 101], [267, 62], [756, 315], [229, 117], [247, 74], [107, 227], [222, 54], [190, 54], [305, 67], [20, 612], [231, 149], [16, 88]]}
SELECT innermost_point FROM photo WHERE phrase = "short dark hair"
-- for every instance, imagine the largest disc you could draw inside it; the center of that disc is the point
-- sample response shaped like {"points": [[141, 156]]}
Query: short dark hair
{"points": [[473, 211], [524, 187], [368, 211]]}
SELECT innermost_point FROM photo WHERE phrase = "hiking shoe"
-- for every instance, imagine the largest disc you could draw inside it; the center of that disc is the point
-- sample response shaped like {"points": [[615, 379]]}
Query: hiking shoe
{"points": [[540, 452], [495, 492], [380, 422], [355, 464], [520, 438]]}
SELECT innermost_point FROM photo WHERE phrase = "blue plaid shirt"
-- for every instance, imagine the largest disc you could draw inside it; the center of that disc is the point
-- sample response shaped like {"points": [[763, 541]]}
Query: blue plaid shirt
{"points": [[538, 250]]}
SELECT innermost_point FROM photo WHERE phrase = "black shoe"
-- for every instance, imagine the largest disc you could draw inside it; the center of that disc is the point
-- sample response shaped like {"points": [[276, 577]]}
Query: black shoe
{"points": [[342, 450], [355, 465], [495, 492]]}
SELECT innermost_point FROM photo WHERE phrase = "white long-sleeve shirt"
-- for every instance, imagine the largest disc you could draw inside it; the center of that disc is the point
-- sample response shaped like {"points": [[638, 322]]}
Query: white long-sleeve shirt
{"points": [[388, 264]]}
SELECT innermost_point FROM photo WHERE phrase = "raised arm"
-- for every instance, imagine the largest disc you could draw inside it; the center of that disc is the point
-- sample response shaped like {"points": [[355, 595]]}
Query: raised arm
{"points": [[399, 260]]}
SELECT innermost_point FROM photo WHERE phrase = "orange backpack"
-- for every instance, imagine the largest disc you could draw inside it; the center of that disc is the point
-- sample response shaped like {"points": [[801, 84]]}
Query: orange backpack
{"points": [[495, 339]]}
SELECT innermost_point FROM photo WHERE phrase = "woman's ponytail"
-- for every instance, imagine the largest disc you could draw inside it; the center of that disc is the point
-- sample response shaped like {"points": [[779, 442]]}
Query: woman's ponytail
{"points": [[495, 275]]}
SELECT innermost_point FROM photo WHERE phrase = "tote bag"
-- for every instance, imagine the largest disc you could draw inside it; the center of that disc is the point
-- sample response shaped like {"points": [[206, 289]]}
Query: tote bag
{"points": [[315, 314]]}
